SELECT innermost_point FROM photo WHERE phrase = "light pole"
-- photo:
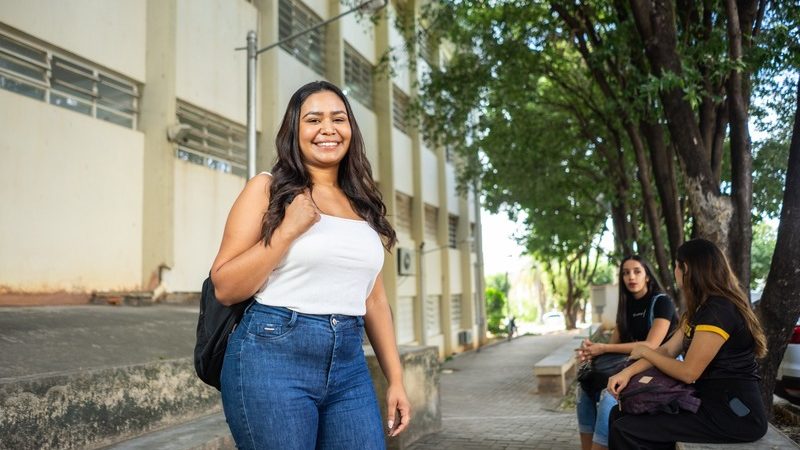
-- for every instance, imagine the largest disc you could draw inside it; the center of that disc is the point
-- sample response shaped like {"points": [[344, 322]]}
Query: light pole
{"points": [[253, 51]]}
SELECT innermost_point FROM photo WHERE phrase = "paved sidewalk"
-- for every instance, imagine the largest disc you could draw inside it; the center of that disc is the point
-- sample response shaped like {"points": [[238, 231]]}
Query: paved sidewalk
{"points": [[489, 401]]}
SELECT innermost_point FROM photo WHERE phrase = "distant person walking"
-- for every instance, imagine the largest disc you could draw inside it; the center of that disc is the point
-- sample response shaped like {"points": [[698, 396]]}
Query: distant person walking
{"points": [[720, 338], [512, 327], [309, 242], [645, 316]]}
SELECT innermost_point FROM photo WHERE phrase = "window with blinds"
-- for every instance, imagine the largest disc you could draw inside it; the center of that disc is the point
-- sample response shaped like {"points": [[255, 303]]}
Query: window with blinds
{"points": [[45, 75], [212, 141], [402, 220], [431, 219], [474, 237], [452, 231], [455, 311], [358, 77], [308, 48], [400, 109], [433, 315]]}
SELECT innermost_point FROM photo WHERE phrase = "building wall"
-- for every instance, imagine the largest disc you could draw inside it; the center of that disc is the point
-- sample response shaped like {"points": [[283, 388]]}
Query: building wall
{"points": [[71, 190], [214, 27], [360, 34], [203, 198], [430, 176], [110, 33], [121, 210], [403, 163]]}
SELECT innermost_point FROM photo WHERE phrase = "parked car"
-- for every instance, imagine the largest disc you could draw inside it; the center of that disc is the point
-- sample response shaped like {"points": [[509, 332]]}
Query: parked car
{"points": [[788, 385], [553, 318], [787, 381]]}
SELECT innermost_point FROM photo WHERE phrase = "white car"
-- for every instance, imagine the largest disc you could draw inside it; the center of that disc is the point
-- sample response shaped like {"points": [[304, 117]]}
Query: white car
{"points": [[789, 370], [553, 318]]}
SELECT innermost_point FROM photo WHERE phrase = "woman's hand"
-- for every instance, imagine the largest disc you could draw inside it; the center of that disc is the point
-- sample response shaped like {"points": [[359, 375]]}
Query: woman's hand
{"points": [[616, 383], [398, 410], [590, 349], [638, 351], [300, 215]]}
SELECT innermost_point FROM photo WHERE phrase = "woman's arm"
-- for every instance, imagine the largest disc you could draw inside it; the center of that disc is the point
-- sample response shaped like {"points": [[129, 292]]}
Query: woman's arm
{"points": [[243, 263], [380, 330], [658, 331], [669, 349], [704, 347]]}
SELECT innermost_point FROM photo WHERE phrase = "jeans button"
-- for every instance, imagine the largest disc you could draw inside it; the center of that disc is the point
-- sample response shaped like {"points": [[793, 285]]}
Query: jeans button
{"points": [[334, 321]]}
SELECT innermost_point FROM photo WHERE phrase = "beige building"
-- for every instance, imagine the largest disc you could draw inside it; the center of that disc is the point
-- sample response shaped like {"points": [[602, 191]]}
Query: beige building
{"points": [[122, 137]]}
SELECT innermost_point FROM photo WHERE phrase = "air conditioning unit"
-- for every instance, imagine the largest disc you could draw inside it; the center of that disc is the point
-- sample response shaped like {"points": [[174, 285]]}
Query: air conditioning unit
{"points": [[465, 337], [405, 261]]}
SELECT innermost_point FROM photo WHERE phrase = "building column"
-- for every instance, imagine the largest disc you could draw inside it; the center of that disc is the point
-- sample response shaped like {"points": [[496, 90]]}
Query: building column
{"points": [[480, 307], [269, 112], [468, 288], [382, 92], [444, 237], [158, 112], [417, 201], [334, 46]]}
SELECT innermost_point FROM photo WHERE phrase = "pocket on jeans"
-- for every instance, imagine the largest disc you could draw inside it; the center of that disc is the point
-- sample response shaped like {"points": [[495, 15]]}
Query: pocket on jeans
{"points": [[269, 327]]}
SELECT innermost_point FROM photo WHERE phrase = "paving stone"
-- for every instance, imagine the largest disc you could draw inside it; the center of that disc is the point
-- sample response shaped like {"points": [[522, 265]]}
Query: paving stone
{"points": [[490, 401]]}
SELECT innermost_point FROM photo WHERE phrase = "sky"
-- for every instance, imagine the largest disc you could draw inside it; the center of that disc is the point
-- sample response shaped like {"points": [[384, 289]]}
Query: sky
{"points": [[500, 252]]}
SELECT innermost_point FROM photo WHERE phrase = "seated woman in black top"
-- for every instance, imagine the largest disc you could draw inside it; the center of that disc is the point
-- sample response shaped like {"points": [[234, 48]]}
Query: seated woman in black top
{"points": [[721, 338]]}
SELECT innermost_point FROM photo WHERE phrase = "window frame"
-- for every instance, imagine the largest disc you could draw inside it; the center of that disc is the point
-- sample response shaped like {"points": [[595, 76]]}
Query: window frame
{"points": [[62, 76], [224, 149], [293, 17], [359, 77]]}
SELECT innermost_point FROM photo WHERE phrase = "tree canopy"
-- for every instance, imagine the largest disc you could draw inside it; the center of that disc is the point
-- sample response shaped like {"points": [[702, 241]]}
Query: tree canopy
{"points": [[586, 112]]}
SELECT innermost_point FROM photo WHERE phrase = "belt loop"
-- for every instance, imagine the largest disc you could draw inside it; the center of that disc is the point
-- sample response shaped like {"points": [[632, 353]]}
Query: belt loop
{"points": [[293, 319]]}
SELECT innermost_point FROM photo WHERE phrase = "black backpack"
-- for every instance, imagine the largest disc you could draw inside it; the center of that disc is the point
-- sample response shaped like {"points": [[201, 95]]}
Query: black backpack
{"points": [[215, 323]]}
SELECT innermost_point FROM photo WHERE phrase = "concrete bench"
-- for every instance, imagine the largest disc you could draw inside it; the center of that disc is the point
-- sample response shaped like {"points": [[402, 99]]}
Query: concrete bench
{"points": [[774, 439], [555, 372]]}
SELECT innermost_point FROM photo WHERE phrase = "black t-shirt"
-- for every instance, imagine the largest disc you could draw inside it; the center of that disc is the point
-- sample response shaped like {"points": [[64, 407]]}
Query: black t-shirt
{"points": [[736, 357], [638, 311]]}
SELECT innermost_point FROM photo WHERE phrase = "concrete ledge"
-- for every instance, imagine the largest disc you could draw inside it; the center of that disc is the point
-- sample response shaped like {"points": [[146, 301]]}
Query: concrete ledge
{"points": [[421, 377], [88, 409], [774, 439], [555, 372], [205, 433]]}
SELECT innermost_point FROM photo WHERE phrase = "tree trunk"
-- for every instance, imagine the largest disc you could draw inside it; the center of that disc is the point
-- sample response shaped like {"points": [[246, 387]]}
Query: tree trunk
{"points": [[712, 211], [569, 307], [780, 306], [649, 201], [664, 174], [741, 234]]}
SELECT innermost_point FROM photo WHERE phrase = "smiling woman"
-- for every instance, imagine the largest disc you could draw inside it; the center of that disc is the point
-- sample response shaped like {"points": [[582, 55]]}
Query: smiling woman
{"points": [[324, 130], [308, 243]]}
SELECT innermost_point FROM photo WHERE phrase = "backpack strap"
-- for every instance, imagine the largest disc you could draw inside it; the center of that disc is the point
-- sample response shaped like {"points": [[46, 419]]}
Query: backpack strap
{"points": [[651, 314]]}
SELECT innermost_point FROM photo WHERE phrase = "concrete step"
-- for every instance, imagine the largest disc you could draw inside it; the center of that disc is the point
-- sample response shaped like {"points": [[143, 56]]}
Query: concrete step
{"points": [[92, 408], [88, 376], [204, 433]]}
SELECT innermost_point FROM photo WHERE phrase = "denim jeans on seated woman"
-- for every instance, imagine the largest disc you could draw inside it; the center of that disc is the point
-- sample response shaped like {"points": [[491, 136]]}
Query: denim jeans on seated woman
{"points": [[594, 410], [299, 381]]}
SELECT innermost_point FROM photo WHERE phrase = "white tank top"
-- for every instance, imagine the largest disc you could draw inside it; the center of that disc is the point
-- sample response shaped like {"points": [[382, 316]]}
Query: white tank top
{"points": [[329, 269]]}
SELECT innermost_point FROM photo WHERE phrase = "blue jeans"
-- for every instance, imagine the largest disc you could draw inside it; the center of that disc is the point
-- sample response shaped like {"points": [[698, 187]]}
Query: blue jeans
{"points": [[593, 413], [299, 381]]}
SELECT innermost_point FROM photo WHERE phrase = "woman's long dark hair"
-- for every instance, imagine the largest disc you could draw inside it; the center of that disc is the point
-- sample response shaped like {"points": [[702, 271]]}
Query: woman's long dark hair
{"points": [[290, 177], [706, 273], [653, 288]]}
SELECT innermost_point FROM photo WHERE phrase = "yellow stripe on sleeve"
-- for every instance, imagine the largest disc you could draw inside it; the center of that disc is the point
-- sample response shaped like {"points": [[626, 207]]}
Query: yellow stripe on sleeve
{"points": [[713, 329]]}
